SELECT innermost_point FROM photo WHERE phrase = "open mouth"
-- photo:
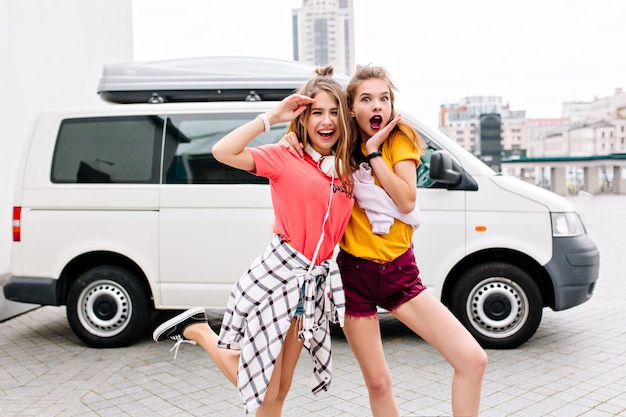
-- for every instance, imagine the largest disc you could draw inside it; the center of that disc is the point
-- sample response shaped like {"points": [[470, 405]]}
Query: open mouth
{"points": [[376, 122], [326, 134]]}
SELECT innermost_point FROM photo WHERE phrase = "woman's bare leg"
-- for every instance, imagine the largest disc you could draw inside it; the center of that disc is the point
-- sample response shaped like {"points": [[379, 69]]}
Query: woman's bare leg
{"points": [[226, 360], [280, 382], [363, 335], [434, 323]]}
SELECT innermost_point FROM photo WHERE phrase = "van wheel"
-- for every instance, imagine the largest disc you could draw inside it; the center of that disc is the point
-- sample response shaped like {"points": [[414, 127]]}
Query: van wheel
{"points": [[108, 307], [498, 303]]}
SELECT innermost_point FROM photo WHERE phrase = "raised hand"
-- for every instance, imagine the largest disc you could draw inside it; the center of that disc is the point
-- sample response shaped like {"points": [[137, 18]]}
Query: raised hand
{"points": [[373, 143], [289, 108]]}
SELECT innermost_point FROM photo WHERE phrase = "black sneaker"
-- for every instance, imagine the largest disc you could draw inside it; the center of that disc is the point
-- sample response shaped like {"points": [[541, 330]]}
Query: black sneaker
{"points": [[174, 327]]}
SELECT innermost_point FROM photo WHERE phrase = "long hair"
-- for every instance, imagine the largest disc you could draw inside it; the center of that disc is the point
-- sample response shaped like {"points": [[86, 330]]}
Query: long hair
{"points": [[368, 72], [323, 81]]}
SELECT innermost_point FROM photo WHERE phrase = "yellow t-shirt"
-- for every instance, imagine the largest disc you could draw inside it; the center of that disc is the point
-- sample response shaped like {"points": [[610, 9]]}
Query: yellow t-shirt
{"points": [[358, 239]]}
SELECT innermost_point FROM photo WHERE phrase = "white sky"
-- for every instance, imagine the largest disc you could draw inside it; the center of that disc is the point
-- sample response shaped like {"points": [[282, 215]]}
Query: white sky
{"points": [[535, 54]]}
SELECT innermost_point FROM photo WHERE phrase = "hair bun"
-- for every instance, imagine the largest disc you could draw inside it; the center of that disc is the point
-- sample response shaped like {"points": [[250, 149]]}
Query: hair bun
{"points": [[327, 71]]}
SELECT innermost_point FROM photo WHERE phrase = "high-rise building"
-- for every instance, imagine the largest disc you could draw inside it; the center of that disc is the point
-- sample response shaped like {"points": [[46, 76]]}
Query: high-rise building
{"points": [[323, 34]]}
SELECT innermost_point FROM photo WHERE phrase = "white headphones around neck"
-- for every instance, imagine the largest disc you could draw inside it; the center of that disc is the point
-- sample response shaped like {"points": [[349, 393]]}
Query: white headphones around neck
{"points": [[326, 164]]}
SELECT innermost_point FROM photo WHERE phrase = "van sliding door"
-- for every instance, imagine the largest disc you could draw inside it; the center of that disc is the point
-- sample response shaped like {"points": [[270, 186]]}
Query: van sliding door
{"points": [[214, 220]]}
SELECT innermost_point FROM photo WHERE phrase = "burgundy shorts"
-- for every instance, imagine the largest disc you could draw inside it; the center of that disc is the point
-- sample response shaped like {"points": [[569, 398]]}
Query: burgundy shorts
{"points": [[368, 284]]}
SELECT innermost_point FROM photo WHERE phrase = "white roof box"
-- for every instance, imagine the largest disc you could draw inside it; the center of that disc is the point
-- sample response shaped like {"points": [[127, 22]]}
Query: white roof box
{"points": [[202, 79]]}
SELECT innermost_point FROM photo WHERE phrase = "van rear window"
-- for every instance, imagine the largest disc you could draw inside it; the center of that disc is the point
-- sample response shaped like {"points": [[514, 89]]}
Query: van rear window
{"points": [[127, 149], [108, 150]]}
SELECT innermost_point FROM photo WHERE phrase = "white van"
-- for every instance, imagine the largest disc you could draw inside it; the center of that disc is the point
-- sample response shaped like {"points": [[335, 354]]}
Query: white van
{"points": [[122, 210]]}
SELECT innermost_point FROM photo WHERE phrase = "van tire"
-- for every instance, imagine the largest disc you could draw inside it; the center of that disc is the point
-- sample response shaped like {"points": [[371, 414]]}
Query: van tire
{"points": [[499, 303], [108, 307]]}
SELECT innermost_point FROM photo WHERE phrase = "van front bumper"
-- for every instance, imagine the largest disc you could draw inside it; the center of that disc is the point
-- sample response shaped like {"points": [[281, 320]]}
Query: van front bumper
{"points": [[41, 291], [574, 270]]}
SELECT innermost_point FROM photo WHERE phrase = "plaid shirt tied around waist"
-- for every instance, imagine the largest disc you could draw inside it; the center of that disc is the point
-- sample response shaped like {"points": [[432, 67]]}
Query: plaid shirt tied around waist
{"points": [[261, 307]]}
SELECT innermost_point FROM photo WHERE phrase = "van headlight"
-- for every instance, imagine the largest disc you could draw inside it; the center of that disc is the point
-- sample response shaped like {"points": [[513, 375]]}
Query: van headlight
{"points": [[567, 224]]}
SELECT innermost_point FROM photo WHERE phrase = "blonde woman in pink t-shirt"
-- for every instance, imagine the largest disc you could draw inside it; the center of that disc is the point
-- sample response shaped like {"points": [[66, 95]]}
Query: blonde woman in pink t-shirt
{"points": [[278, 305]]}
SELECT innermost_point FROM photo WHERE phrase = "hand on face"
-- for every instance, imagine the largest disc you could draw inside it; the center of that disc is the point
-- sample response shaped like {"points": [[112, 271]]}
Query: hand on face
{"points": [[373, 143]]}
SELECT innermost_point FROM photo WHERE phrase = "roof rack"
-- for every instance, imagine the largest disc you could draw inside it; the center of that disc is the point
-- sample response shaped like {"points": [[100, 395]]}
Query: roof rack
{"points": [[202, 79]]}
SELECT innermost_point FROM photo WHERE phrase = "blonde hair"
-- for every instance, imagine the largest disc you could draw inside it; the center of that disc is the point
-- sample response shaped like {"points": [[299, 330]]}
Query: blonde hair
{"points": [[368, 72], [323, 81]]}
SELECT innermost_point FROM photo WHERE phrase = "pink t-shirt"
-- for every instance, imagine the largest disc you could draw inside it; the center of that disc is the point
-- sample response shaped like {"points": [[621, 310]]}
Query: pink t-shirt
{"points": [[300, 194]]}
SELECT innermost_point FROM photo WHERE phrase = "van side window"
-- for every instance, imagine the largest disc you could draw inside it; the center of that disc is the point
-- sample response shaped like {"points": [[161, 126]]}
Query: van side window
{"points": [[108, 150], [189, 139], [423, 170]]}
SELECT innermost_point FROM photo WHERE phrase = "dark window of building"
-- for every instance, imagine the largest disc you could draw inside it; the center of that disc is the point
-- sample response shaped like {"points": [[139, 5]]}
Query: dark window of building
{"points": [[321, 41], [346, 48], [294, 33]]}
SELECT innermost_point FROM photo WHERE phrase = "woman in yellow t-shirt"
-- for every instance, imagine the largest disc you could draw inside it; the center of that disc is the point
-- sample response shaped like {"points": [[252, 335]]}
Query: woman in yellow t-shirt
{"points": [[379, 270]]}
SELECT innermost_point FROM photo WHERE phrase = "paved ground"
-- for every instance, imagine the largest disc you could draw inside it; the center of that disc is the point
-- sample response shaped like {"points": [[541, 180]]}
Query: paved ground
{"points": [[8, 308], [575, 365]]}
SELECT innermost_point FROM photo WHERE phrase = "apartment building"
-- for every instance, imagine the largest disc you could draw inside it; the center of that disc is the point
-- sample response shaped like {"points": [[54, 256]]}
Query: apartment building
{"points": [[461, 122], [586, 129], [550, 129], [323, 34]]}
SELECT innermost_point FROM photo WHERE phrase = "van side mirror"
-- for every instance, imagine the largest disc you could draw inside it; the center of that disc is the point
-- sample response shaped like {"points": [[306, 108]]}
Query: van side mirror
{"points": [[442, 170]]}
